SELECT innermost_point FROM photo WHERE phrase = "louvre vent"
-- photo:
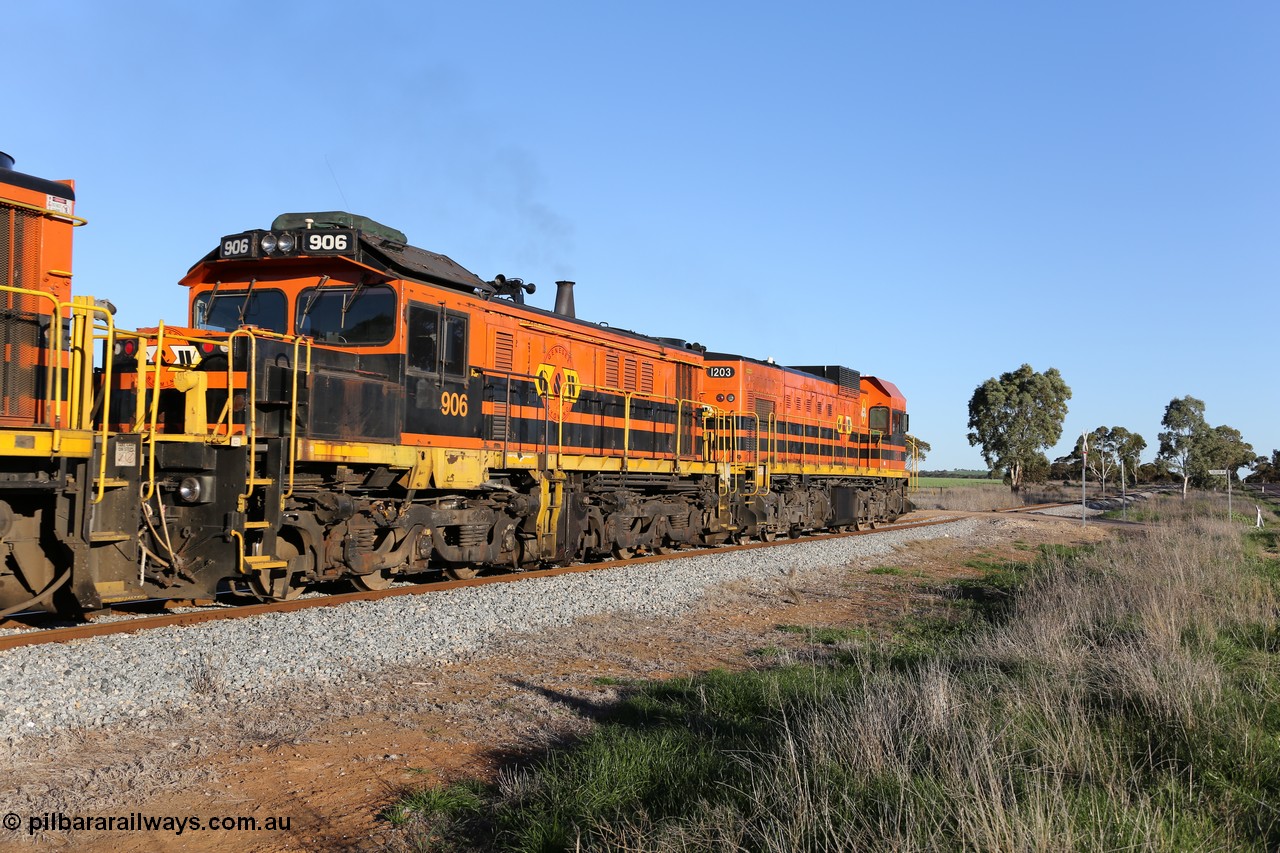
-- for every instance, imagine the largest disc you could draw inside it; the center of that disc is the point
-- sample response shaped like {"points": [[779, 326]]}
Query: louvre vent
{"points": [[504, 351]]}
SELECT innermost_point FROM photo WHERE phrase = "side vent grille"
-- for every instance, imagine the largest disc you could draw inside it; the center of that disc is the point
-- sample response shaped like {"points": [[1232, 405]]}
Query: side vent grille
{"points": [[504, 351], [499, 431]]}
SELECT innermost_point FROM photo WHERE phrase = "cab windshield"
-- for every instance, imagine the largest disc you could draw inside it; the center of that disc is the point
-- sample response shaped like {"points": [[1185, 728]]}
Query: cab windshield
{"points": [[232, 309], [360, 315]]}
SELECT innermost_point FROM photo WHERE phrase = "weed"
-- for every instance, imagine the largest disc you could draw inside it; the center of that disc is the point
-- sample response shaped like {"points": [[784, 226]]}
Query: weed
{"points": [[827, 635]]}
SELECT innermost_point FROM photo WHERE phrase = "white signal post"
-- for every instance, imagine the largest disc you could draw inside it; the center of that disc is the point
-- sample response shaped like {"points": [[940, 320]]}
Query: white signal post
{"points": [[1084, 473]]}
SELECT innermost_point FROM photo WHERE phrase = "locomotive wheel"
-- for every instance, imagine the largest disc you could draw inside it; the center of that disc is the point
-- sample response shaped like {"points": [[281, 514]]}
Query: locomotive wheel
{"points": [[621, 553], [373, 581], [461, 573]]}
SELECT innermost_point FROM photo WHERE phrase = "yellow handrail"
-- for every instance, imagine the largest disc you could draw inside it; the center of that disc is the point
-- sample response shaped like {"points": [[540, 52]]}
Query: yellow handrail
{"points": [[107, 365], [53, 399], [75, 221], [293, 416], [79, 312]]}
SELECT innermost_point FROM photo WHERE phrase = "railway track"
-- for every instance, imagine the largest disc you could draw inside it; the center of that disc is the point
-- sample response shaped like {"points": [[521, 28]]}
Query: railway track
{"points": [[37, 636], [1036, 507]]}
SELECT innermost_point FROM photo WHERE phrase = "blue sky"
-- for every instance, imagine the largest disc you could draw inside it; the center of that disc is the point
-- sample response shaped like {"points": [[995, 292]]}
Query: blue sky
{"points": [[930, 192]]}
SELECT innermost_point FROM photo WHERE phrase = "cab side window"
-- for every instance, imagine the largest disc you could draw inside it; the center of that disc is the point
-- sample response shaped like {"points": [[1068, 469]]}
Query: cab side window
{"points": [[431, 348], [424, 336], [455, 344], [878, 419]]}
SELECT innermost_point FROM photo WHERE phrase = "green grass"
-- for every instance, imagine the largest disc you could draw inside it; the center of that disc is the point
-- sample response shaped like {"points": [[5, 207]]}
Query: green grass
{"points": [[1137, 512], [1121, 696], [885, 570], [826, 635]]}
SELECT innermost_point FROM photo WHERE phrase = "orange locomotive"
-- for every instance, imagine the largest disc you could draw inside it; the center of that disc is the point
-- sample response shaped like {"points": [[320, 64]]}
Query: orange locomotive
{"points": [[60, 503], [343, 405], [376, 410]]}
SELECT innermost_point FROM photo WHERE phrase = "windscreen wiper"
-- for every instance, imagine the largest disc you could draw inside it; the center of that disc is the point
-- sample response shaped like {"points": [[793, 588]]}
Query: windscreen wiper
{"points": [[315, 294], [208, 307], [348, 302], [244, 306]]}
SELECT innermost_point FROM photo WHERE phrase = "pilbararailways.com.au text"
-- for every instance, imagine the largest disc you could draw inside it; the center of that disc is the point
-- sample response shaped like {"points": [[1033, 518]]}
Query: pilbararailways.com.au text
{"points": [[138, 822]]}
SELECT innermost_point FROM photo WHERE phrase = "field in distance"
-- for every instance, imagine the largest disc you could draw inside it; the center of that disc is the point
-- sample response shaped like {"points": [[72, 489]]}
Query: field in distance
{"points": [[948, 482]]}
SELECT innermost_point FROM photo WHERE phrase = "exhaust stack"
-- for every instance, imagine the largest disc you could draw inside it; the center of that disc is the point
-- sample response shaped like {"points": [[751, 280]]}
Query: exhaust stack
{"points": [[564, 299]]}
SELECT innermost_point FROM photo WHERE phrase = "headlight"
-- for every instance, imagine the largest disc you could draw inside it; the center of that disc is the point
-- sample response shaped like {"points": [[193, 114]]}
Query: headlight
{"points": [[189, 490], [268, 243], [287, 243]]}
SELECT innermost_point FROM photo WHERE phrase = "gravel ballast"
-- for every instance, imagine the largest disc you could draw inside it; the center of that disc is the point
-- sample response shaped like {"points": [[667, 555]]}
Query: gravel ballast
{"points": [[137, 678]]}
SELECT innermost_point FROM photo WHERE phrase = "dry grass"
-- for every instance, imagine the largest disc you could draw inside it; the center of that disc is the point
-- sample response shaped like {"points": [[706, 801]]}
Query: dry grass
{"points": [[1125, 698], [965, 498], [961, 499], [1111, 655]]}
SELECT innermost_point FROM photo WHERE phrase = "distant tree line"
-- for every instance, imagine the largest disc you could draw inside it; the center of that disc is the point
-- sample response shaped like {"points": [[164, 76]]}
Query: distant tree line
{"points": [[1016, 416]]}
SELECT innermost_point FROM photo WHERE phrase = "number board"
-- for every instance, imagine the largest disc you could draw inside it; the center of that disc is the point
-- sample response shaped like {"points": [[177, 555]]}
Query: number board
{"points": [[720, 372], [328, 241], [237, 246]]}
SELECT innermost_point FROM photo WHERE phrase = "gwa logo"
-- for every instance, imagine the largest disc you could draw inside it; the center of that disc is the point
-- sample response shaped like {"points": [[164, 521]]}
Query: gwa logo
{"points": [[557, 383], [183, 354]]}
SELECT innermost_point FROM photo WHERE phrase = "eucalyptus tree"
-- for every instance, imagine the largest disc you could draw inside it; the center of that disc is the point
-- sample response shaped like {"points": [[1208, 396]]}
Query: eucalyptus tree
{"points": [[1014, 417], [1109, 447], [1182, 442], [1225, 448]]}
